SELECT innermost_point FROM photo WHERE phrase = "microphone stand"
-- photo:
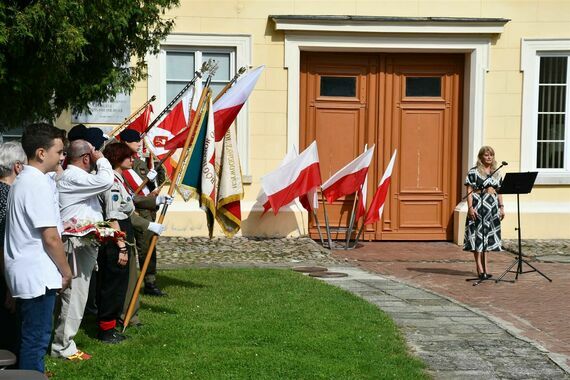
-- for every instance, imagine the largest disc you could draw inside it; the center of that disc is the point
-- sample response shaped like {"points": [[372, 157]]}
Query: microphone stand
{"points": [[483, 188]]}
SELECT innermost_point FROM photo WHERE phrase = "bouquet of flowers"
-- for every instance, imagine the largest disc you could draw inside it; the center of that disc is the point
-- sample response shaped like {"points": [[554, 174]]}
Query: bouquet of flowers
{"points": [[97, 232]]}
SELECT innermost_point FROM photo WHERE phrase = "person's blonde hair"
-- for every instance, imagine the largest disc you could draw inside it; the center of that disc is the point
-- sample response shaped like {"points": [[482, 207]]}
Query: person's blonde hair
{"points": [[480, 167]]}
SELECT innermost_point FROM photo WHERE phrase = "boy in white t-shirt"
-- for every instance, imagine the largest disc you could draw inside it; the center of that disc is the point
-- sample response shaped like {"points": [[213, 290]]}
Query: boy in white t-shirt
{"points": [[35, 262]]}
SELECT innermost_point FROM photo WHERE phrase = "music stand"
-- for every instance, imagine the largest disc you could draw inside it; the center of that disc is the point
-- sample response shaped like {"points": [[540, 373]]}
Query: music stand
{"points": [[519, 183]]}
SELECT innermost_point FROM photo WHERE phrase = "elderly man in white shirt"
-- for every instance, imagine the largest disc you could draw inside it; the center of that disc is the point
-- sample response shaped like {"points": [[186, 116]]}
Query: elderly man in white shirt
{"points": [[78, 191]]}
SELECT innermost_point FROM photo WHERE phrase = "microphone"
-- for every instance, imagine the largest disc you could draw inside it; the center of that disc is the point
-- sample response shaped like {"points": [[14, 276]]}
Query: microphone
{"points": [[503, 163]]}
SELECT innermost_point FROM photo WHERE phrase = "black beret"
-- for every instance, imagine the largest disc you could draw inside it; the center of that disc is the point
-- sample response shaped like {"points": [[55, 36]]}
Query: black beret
{"points": [[78, 132], [95, 136], [130, 135]]}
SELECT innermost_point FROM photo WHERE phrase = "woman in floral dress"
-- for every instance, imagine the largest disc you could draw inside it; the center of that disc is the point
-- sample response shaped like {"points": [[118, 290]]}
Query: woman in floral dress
{"points": [[485, 212]]}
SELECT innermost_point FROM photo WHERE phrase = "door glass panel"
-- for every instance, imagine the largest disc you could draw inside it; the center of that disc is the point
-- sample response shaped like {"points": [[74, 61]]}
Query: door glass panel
{"points": [[338, 86], [423, 86]]}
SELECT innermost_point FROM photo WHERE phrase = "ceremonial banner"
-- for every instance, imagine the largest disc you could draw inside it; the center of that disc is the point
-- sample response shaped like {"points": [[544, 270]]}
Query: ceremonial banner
{"points": [[208, 173], [230, 188], [294, 179], [170, 126], [190, 184], [228, 106], [377, 206], [349, 179]]}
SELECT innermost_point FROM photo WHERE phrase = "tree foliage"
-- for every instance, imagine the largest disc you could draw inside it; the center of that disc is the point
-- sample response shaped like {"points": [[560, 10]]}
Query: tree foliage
{"points": [[63, 54]]}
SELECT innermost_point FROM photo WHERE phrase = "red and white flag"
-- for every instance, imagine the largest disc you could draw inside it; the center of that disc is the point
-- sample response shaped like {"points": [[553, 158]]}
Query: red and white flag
{"points": [[349, 179], [169, 127], [134, 181], [228, 106], [140, 124], [377, 206], [261, 196], [294, 179]]}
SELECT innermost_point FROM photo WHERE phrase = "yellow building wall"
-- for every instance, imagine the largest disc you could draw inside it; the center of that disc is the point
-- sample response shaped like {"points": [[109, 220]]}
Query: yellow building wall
{"points": [[268, 103]]}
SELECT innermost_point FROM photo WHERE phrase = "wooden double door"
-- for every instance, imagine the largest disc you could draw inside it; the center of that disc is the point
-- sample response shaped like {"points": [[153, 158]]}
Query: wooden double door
{"points": [[406, 102]]}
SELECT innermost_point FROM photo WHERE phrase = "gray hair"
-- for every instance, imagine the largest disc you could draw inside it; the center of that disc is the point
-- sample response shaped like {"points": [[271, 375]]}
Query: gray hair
{"points": [[10, 153]]}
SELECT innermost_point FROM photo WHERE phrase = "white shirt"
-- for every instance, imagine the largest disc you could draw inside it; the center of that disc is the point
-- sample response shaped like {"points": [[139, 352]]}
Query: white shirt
{"points": [[78, 191], [28, 268]]}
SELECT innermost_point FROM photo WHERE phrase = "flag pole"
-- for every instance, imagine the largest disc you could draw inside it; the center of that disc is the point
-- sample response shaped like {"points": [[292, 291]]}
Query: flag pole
{"points": [[171, 189], [359, 233], [206, 66], [230, 84], [224, 90], [318, 227], [327, 226], [351, 223], [128, 120]]}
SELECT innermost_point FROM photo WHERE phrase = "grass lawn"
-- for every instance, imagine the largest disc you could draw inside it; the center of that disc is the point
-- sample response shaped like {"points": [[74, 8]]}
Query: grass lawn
{"points": [[248, 324]]}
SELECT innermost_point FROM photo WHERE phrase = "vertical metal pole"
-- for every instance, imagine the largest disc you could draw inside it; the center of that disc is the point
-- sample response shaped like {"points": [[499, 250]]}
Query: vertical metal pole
{"points": [[519, 266], [327, 223], [318, 227], [351, 222]]}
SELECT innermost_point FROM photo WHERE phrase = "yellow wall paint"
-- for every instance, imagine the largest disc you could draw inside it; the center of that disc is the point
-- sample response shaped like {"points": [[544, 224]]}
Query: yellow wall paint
{"points": [[268, 104]]}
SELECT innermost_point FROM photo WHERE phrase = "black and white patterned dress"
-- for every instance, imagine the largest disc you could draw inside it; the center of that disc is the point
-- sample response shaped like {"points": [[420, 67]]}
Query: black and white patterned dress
{"points": [[484, 233]]}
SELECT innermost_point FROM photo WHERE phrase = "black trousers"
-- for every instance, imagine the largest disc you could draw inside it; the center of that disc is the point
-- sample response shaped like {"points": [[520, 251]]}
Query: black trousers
{"points": [[112, 279]]}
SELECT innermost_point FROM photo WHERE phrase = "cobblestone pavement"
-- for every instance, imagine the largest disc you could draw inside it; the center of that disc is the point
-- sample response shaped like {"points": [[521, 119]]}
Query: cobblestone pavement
{"points": [[514, 331], [541, 250], [175, 251]]}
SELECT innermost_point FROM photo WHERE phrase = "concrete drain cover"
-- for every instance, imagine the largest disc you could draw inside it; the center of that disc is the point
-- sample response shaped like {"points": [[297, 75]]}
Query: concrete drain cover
{"points": [[310, 269], [328, 274]]}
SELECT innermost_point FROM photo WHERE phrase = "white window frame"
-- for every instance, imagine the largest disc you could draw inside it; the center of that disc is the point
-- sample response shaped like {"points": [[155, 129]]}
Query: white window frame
{"points": [[240, 45], [531, 51]]}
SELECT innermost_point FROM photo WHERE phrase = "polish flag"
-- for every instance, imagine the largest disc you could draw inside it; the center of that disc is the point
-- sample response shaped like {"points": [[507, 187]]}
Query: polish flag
{"points": [[134, 181], [261, 196], [293, 179], [140, 124], [228, 106], [375, 211], [349, 179]]}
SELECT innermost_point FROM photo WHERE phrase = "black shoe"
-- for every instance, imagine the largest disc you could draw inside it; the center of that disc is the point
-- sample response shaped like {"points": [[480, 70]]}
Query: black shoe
{"points": [[153, 290], [488, 276], [110, 336]]}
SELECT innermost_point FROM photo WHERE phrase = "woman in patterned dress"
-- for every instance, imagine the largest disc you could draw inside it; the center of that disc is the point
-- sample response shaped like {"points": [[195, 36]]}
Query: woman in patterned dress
{"points": [[485, 212]]}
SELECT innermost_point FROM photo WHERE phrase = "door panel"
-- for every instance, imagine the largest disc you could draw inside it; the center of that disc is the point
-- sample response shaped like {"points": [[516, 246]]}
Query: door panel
{"points": [[408, 102]]}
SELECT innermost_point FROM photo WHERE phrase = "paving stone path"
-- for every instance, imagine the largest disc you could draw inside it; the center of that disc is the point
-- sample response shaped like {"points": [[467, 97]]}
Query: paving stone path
{"points": [[455, 341]]}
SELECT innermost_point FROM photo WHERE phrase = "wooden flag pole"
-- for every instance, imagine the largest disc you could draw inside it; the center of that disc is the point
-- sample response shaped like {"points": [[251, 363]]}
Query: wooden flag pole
{"points": [[170, 153], [230, 84], [171, 189]]}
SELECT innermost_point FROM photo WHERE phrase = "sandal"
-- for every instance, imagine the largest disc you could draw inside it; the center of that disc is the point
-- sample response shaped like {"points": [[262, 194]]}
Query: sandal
{"points": [[79, 356]]}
